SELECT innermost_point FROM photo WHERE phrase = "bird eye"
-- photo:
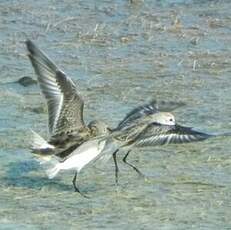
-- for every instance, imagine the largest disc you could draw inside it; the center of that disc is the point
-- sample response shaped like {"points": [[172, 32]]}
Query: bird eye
{"points": [[170, 119]]}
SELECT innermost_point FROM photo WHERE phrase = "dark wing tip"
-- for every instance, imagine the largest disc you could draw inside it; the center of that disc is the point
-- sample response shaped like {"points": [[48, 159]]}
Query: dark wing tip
{"points": [[190, 135], [170, 135], [30, 46], [33, 49], [28, 41]]}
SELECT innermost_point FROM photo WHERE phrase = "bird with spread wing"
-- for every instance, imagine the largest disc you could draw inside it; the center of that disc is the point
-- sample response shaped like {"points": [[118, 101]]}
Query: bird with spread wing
{"points": [[67, 130], [148, 126]]}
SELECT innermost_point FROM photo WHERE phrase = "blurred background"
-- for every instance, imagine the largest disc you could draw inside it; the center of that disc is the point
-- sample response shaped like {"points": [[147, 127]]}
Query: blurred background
{"points": [[121, 54]]}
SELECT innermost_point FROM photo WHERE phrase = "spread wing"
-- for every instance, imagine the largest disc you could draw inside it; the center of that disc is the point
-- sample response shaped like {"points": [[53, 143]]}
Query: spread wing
{"points": [[137, 113], [150, 108], [156, 134], [65, 106]]}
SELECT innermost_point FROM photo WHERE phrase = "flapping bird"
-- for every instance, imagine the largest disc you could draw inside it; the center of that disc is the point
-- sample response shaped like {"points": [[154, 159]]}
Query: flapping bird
{"points": [[67, 129], [148, 126]]}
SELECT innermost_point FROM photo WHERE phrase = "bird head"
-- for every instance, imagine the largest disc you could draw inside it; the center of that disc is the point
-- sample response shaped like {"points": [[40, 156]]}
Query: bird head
{"points": [[98, 128], [164, 118]]}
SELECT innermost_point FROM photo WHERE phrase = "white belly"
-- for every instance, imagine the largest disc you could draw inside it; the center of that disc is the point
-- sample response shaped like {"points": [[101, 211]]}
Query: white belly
{"points": [[83, 155]]}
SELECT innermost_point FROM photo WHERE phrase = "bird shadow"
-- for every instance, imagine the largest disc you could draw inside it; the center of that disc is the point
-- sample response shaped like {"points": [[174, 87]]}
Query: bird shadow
{"points": [[18, 175], [23, 175]]}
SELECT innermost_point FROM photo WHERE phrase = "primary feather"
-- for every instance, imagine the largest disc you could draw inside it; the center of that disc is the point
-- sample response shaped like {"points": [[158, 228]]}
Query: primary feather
{"points": [[65, 106]]}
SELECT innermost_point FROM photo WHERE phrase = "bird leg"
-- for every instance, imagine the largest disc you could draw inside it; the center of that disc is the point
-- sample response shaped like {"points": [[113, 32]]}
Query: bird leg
{"points": [[74, 182], [136, 169], [116, 166]]}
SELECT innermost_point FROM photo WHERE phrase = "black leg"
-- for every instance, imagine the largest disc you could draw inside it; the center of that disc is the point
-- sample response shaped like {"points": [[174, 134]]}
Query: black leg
{"points": [[75, 185], [116, 166], [136, 169]]}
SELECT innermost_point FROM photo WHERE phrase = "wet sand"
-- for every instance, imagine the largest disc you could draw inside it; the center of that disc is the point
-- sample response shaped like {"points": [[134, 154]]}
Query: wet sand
{"points": [[121, 55]]}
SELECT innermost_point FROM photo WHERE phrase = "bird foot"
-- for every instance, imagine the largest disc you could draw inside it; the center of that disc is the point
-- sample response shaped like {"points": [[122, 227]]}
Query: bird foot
{"points": [[85, 196]]}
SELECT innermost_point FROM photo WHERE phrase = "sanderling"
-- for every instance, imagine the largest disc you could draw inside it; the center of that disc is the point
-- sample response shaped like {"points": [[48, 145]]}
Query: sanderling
{"points": [[67, 130], [86, 153], [147, 126]]}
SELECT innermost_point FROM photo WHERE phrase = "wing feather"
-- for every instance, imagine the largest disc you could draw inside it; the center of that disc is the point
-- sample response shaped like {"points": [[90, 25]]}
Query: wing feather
{"points": [[137, 113], [156, 134], [147, 109], [65, 106]]}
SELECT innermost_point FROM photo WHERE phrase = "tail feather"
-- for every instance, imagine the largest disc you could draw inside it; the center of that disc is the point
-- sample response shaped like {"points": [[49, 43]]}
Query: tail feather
{"points": [[52, 172], [52, 167], [39, 142]]}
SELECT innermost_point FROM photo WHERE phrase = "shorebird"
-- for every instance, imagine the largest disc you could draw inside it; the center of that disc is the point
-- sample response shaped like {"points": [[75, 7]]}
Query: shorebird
{"points": [[79, 158], [147, 126], [67, 130]]}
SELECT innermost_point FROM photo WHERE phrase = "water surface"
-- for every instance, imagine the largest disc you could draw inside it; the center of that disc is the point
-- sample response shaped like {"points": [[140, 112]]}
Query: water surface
{"points": [[121, 55]]}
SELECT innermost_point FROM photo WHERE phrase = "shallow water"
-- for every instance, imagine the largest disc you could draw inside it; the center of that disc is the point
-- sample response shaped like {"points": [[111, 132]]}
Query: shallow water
{"points": [[121, 55]]}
